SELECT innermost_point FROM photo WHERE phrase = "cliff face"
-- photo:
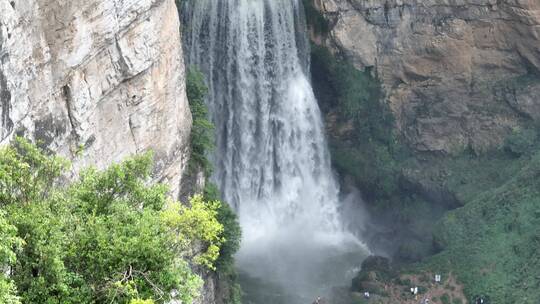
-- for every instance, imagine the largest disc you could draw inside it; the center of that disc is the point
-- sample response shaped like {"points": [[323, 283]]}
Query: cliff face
{"points": [[456, 74], [462, 78], [96, 80]]}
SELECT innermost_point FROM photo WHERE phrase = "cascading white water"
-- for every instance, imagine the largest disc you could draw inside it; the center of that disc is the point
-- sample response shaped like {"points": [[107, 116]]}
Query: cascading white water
{"points": [[271, 160]]}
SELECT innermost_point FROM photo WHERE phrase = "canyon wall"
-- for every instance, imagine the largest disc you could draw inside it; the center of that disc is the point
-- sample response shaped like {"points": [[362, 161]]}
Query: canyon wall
{"points": [[462, 80], [96, 80], [457, 74]]}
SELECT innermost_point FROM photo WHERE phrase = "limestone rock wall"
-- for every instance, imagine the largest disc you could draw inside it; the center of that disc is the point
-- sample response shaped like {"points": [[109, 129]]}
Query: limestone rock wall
{"points": [[96, 80], [457, 73]]}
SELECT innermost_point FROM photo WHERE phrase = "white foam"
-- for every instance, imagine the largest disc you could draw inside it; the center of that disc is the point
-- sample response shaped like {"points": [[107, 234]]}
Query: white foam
{"points": [[271, 161]]}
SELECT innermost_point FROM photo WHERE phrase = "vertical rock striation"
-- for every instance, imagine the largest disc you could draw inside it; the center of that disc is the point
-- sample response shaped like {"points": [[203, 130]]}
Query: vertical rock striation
{"points": [[456, 73], [96, 80]]}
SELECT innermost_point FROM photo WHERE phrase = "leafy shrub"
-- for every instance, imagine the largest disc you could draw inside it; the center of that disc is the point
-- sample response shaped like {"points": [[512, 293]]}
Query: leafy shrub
{"points": [[194, 224], [10, 243], [8, 292], [202, 143], [27, 174], [480, 249], [232, 235], [202, 130]]}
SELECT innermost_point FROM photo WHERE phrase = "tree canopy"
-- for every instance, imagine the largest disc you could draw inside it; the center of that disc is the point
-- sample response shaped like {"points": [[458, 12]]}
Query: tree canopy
{"points": [[108, 236]]}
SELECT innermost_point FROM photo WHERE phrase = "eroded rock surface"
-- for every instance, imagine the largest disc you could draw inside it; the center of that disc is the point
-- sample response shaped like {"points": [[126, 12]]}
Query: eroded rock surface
{"points": [[96, 80], [457, 74]]}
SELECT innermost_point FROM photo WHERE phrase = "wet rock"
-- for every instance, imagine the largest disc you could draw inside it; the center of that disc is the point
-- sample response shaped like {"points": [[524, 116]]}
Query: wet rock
{"points": [[374, 271]]}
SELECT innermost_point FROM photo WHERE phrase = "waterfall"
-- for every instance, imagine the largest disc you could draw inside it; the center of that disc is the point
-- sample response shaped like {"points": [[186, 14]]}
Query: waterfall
{"points": [[271, 160]]}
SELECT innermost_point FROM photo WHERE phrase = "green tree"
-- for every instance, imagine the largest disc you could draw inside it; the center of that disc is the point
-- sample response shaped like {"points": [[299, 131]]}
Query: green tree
{"points": [[198, 223], [232, 233], [9, 243], [26, 173], [27, 176], [110, 236]]}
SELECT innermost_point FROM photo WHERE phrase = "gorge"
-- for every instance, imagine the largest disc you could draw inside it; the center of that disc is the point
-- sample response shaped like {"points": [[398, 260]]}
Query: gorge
{"points": [[406, 130]]}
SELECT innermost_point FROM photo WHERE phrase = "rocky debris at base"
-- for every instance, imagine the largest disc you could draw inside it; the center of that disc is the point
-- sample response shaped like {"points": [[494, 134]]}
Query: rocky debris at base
{"points": [[387, 285]]}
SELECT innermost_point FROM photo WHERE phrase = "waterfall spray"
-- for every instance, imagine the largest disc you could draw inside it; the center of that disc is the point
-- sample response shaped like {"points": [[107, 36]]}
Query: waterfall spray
{"points": [[271, 160]]}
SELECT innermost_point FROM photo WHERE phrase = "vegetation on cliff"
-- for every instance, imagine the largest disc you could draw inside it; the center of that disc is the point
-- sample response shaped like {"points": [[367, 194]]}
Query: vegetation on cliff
{"points": [[493, 243], [475, 217], [471, 216], [202, 143], [314, 18], [366, 151], [362, 141], [202, 130], [109, 236], [232, 233]]}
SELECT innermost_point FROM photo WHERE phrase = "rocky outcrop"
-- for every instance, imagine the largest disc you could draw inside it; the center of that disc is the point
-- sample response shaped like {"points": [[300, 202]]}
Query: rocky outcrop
{"points": [[457, 74], [96, 80]]}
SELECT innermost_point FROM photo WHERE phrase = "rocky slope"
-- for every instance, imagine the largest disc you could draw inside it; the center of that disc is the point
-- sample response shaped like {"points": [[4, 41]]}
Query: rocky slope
{"points": [[462, 80], [96, 80], [455, 72]]}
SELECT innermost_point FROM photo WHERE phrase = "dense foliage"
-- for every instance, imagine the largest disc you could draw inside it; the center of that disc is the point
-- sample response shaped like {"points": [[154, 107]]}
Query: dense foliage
{"points": [[231, 233], [232, 236], [493, 243], [202, 131], [369, 152], [9, 244], [108, 237], [202, 143]]}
